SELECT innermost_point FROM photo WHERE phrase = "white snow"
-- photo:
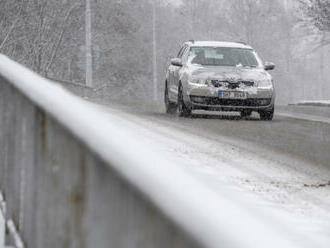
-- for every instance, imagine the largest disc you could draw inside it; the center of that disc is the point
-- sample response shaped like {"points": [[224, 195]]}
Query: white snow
{"points": [[277, 187], [172, 168], [314, 103]]}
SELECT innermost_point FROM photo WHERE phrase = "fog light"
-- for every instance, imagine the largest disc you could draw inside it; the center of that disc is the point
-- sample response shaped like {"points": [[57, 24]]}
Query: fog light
{"points": [[198, 99]]}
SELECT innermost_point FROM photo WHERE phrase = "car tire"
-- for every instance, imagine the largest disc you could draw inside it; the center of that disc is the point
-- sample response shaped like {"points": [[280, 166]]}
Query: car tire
{"points": [[267, 115], [184, 111], [245, 113], [170, 107]]}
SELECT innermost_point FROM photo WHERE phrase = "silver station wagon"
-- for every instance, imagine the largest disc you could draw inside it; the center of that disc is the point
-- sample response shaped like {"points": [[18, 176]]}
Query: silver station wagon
{"points": [[219, 76]]}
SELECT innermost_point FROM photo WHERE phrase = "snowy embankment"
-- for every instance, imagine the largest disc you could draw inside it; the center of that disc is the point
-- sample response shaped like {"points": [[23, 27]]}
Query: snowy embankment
{"points": [[209, 188], [151, 159], [320, 103], [281, 187]]}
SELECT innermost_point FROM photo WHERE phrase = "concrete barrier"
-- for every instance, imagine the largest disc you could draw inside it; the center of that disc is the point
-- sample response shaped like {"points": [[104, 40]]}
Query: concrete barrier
{"points": [[59, 192], [73, 178]]}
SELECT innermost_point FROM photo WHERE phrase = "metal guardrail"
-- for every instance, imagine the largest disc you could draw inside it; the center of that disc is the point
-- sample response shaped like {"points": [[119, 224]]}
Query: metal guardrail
{"points": [[72, 177], [316, 103]]}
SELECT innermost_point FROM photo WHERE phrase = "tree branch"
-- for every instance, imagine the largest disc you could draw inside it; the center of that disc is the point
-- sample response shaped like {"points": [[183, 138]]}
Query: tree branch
{"points": [[8, 34], [59, 41]]}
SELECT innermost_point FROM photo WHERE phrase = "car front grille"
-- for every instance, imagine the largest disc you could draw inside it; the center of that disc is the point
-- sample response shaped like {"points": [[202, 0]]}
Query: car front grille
{"points": [[231, 85], [218, 83], [231, 102]]}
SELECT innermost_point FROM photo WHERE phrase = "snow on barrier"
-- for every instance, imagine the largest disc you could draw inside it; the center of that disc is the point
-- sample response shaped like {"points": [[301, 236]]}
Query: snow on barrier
{"points": [[317, 103], [71, 177]]}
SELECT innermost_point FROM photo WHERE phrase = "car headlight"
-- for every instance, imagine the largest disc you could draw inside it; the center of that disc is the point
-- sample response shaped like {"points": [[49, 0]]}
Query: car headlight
{"points": [[265, 84], [198, 82]]}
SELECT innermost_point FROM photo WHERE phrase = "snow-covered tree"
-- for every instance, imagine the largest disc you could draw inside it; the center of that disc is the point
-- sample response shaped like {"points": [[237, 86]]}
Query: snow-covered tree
{"points": [[319, 13]]}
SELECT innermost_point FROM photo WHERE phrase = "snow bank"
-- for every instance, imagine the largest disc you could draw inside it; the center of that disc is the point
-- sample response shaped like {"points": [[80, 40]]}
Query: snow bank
{"points": [[320, 103]]}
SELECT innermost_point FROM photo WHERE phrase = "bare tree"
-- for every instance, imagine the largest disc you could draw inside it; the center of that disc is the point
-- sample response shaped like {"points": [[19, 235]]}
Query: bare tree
{"points": [[34, 31], [318, 14]]}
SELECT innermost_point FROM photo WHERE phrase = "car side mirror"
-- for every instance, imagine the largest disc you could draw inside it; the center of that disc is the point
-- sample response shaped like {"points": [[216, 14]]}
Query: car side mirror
{"points": [[176, 62], [269, 66]]}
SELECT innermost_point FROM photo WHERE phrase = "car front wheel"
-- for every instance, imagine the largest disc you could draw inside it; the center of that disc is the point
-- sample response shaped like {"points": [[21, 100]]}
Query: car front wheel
{"points": [[184, 111], [169, 106], [267, 115]]}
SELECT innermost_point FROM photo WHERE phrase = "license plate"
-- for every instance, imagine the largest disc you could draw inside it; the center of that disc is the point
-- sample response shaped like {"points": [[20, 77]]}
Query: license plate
{"points": [[232, 95]]}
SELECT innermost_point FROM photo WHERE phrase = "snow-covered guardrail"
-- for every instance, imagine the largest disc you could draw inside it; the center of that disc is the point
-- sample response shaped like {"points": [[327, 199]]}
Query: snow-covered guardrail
{"points": [[317, 103], [72, 177]]}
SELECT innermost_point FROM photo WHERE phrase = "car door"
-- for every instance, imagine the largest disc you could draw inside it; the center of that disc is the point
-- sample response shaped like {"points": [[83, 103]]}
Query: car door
{"points": [[175, 76]]}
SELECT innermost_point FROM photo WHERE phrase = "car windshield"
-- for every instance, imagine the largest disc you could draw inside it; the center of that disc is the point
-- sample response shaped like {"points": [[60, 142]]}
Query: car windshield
{"points": [[223, 56]]}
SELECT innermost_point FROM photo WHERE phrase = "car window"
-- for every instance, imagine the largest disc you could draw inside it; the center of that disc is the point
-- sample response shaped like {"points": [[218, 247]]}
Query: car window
{"points": [[185, 54], [181, 52]]}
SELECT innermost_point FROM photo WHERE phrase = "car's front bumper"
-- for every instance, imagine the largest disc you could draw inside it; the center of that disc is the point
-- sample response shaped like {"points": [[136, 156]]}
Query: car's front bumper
{"points": [[216, 104], [207, 98]]}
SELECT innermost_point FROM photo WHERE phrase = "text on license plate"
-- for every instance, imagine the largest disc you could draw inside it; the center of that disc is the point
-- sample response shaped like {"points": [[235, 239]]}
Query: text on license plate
{"points": [[232, 95]]}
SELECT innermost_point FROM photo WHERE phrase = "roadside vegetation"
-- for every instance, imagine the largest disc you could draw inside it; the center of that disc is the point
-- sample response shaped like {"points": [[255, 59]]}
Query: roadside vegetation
{"points": [[49, 37]]}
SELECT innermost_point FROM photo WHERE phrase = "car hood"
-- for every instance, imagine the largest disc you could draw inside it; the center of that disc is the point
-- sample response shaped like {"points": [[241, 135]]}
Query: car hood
{"points": [[229, 73]]}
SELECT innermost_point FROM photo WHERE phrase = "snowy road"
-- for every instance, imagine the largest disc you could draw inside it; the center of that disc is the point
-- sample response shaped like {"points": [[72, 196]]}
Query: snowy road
{"points": [[281, 165]]}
